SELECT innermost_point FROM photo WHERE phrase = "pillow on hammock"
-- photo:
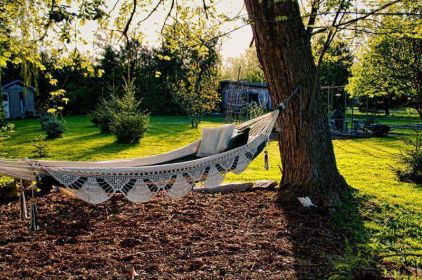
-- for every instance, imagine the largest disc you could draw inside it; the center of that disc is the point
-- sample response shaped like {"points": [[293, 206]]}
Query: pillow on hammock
{"points": [[239, 139], [215, 140], [225, 136]]}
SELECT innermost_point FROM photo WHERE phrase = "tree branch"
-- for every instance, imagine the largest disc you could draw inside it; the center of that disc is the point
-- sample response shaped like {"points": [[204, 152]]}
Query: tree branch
{"points": [[313, 16], [204, 5], [332, 33], [48, 24], [346, 23], [126, 29], [168, 14], [152, 11]]}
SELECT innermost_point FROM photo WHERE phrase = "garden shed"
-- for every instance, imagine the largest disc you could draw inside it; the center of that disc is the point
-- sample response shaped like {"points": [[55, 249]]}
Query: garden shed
{"points": [[247, 91], [18, 100]]}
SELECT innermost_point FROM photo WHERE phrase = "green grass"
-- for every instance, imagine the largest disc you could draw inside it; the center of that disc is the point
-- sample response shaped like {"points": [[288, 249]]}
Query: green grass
{"points": [[390, 211]]}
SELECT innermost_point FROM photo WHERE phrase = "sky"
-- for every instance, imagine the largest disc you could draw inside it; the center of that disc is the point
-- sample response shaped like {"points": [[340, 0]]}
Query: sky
{"points": [[232, 45]]}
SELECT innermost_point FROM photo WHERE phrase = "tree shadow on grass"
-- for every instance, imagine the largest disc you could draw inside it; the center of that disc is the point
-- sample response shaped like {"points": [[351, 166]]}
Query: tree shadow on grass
{"points": [[107, 149], [325, 244]]}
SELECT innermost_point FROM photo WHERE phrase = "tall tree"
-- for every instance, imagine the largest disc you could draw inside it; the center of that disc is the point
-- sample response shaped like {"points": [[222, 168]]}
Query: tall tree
{"points": [[284, 50], [191, 45], [283, 46], [390, 66]]}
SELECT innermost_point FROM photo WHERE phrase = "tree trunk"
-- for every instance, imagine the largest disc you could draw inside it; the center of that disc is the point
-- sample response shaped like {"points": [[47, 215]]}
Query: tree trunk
{"points": [[284, 51], [419, 110], [387, 105]]}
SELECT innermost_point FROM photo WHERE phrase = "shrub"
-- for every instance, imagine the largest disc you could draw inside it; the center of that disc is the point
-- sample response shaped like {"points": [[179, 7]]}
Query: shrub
{"points": [[103, 114], [254, 110], [40, 147], [412, 161], [129, 128], [129, 124], [43, 121], [5, 128], [54, 128]]}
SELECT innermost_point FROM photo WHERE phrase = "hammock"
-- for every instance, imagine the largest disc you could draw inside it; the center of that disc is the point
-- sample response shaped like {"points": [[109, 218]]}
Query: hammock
{"points": [[140, 179]]}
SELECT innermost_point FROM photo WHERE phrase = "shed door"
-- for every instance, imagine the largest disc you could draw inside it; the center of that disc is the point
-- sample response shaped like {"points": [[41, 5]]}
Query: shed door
{"points": [[5, 102]]}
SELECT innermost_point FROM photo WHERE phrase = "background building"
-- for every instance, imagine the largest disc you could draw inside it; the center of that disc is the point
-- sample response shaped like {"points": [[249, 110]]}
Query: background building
{"points": [[17, 100]]}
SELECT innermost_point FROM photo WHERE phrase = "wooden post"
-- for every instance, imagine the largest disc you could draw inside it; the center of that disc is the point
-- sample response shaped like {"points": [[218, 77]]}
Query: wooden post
{"points": [[34, 211], [22, 202]]}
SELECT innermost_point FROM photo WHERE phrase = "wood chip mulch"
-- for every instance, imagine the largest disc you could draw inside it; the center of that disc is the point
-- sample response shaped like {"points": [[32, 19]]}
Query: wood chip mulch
{"points": [[222, 236]]}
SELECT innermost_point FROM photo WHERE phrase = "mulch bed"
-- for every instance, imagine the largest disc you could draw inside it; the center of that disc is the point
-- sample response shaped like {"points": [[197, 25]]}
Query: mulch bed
{"points": [[222, 236]]}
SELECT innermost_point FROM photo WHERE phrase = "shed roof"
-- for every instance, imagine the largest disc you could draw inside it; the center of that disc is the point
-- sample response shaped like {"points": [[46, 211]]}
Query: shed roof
{"points": [[17, 83], [244, 83]]}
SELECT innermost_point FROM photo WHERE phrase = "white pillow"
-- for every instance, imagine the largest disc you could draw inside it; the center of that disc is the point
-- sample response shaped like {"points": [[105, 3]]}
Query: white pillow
{"points": [[225, 136], [209, 142]]}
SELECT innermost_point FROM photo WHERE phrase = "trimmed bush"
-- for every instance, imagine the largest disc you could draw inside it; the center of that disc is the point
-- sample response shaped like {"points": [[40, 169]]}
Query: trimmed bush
{"points": [[54, 128], [129, 124]]}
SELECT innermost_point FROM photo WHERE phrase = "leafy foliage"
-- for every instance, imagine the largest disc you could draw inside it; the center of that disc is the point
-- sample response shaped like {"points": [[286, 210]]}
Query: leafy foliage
{"points": [[390, 64], [26, 27], [128, 123], [246, 67], [43, 120], [335, 68], [6, 128], [191, 45], [254, 110], [141, 63]]}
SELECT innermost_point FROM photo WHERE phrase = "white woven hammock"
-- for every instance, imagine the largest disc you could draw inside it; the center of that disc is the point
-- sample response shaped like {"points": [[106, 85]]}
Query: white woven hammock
{"points": [[140, 179]]}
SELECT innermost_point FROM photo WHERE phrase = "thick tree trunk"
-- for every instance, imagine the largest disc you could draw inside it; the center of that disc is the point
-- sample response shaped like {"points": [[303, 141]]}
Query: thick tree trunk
{"points": [[284, 51]]}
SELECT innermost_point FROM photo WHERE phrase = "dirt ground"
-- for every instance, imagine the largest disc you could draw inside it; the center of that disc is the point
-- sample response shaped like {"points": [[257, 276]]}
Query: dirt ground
{"points": [[220, 236]]}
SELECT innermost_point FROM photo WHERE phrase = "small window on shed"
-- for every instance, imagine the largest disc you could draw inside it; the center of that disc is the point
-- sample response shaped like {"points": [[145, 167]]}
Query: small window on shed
{"points": [[5, 97]]}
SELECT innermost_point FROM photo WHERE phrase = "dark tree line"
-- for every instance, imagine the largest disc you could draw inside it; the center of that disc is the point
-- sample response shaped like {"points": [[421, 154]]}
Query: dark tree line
{"points": [[154, 79]]}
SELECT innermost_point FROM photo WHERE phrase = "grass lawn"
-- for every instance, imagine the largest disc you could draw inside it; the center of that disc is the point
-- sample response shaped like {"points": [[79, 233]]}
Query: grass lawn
{"points": [[388, 218]]}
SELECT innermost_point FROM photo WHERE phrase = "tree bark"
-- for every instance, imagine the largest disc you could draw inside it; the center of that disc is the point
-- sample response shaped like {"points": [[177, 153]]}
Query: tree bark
{"points": [[284, 51]]}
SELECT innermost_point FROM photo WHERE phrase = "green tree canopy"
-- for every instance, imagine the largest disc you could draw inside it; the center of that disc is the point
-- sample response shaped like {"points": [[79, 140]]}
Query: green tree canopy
{"points": [[245, 67], [191, 48], [389, 66], [335, 68]]}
